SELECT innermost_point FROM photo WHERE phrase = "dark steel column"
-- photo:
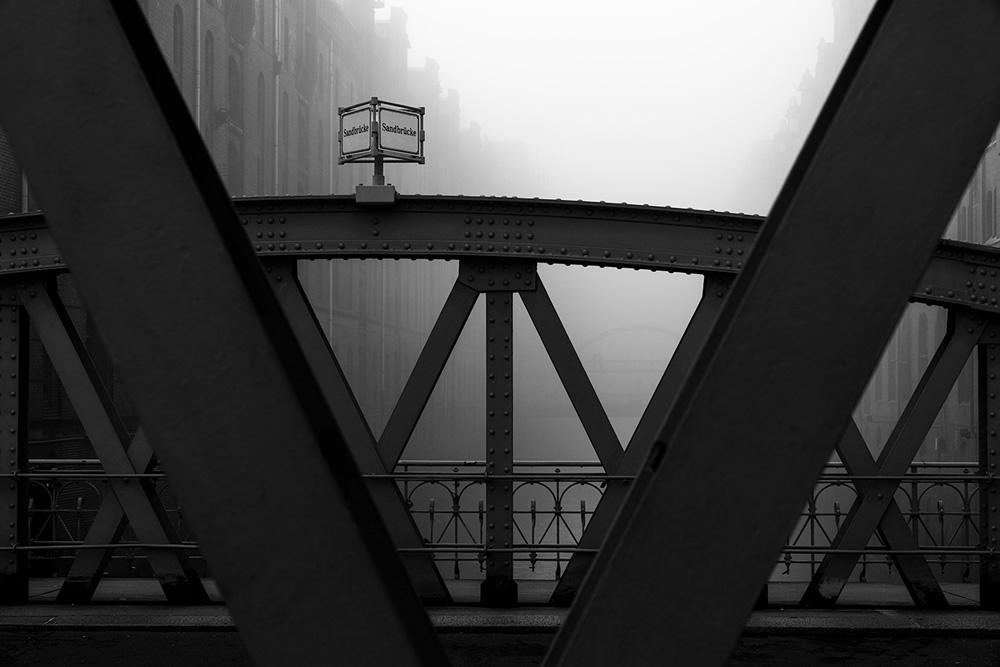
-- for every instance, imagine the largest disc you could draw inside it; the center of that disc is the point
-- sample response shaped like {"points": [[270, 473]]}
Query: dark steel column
{"points": [[989, 491], [499, 589], [847, 240], [225, 391], [13, 453], [336, 389]]}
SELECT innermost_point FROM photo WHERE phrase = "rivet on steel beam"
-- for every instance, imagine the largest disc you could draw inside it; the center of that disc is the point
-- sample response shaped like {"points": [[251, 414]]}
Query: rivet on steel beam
{"points": [[430, 246], [406, 246], [319, 246]]}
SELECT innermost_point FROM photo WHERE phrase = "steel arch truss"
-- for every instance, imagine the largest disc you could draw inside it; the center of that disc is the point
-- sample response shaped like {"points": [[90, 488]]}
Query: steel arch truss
{"points": [[821, 253]]}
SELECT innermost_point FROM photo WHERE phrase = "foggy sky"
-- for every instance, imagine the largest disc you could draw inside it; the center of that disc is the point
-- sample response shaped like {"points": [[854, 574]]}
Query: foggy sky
{"points": [[651, 101]]}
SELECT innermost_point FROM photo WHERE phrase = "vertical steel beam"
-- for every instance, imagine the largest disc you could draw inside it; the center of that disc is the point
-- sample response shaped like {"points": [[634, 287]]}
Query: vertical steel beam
{"points": [[499, 588], [989, 490], [14, 527], [874, 497], [573, 376], [337, 390], [220, 382], [795, 342], [424, 376], [714, 291]]}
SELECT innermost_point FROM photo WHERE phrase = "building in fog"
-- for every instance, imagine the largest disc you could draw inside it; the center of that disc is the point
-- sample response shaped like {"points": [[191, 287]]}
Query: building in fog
{"points": [[921, 328], [263, 80]]}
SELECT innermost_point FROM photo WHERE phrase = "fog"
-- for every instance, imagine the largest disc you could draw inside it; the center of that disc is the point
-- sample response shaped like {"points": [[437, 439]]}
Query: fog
{"points": [[686, 103], [656, 102]]}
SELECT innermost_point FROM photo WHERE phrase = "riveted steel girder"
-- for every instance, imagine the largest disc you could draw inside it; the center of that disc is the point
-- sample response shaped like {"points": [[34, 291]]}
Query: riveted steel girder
{"points": [[13, 446], [989, 459], [958, 273], [846, 242], [220, 382]]}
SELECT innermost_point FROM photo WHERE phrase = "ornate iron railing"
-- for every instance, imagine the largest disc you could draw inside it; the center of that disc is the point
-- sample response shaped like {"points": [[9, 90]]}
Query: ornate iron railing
{"points": [[553, 504]]}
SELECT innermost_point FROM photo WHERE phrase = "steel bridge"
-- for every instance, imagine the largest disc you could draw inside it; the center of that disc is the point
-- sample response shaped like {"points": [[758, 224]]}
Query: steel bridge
{"points": [[197, 299]]}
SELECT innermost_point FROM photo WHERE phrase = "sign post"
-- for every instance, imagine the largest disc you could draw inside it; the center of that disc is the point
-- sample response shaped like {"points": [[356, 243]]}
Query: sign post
{"points": [[376, 132]]}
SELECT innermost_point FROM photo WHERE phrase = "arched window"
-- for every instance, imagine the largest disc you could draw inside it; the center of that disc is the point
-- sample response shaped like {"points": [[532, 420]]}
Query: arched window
{"points": [[261, 132], [320, 150], [235, 93], [285, 36], [923, 335], [283, 147], [178, 53], [208, 87], [303, 140], [235, 170]]}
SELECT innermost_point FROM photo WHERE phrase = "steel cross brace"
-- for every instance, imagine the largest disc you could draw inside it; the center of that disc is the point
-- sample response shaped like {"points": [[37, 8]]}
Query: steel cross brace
{"points": [[875, 498], [135, 499], [795, 341], [220, 382], [14, 527], [423, 573]]}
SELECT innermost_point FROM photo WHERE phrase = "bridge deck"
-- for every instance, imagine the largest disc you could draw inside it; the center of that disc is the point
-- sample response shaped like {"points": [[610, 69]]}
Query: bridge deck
{"points": [[869, 609]]}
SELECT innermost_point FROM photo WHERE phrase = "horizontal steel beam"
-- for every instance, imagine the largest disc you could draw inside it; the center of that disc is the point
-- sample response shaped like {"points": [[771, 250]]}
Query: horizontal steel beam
{"points": [[958, 273]]}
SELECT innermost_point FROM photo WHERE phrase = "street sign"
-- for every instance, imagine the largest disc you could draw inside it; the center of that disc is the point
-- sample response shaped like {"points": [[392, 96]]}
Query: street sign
{"points": [[400, 131], [356, 133], [378, 131]]}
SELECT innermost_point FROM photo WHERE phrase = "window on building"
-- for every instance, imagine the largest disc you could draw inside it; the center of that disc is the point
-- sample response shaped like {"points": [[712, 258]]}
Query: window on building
{"points": [[234, 167], [208, 88], [283, 147], [923, 347], [178, 53], [261, 131], [285, 36], [235, 93], [891, 370], [303, 141]]}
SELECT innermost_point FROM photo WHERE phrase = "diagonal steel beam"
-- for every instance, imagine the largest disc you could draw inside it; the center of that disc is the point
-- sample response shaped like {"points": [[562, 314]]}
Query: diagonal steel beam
{"points": [[136, 498], [573, 376], [420, 565], [221, 384], [795, 341], [919, 579], [874, 497], [714, 290], [424, 376]]}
